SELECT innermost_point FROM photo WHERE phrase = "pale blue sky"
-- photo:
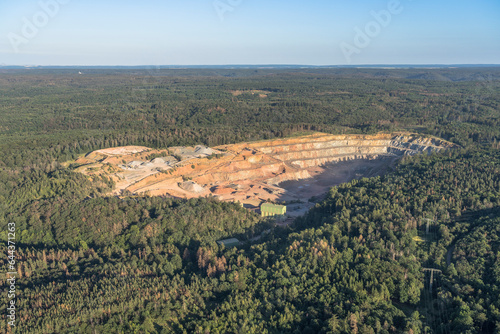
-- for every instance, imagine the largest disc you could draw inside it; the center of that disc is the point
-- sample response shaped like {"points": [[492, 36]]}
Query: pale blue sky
{"points": [[191, 32]]}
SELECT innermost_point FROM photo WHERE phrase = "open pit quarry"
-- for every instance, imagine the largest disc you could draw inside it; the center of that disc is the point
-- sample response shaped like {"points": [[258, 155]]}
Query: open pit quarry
{"points": [[291, 170]]}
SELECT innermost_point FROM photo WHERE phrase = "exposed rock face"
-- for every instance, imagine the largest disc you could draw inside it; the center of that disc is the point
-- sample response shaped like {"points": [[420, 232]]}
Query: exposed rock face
{"points": [[247, 171], [319, 149], [191, 187]]}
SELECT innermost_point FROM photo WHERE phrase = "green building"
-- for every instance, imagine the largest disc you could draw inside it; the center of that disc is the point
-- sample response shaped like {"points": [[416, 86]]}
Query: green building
{"points": [[269, 209], [232, 242]]}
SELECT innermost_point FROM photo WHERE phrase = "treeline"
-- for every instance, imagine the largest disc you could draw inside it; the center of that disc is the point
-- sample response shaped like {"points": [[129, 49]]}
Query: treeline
{"points": [[58, 114]]}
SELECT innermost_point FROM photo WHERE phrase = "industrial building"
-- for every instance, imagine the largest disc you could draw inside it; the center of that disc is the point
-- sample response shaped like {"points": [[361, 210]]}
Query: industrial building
{"points": [[232, 242], [269, 209]]}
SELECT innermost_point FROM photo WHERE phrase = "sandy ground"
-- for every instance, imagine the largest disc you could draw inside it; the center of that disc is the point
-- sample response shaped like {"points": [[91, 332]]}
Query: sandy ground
{"points": [[295, 171], [328, 176], [333, 174]]}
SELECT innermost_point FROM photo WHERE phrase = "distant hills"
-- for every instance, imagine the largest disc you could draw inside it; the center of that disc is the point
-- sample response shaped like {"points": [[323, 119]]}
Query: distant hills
{"points": [[268, 66], [452, 73]]}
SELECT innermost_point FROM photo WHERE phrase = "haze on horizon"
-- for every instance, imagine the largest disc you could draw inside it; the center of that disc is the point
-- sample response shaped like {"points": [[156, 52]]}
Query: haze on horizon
{"points": [[224, 32]]}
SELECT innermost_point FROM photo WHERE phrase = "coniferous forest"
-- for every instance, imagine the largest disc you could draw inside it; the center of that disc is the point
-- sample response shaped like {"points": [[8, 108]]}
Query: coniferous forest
{"points": [[358, 262]]}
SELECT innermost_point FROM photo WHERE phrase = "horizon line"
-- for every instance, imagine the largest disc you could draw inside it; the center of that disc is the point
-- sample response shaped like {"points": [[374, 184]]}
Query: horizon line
{"points": [[259, 65]]}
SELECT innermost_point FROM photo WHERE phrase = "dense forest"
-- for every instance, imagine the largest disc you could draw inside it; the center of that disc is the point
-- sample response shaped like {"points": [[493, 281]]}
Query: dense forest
{"points": [[358, 262]]}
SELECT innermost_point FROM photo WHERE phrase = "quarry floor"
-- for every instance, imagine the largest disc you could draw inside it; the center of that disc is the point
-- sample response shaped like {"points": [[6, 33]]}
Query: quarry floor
{"points": [[312, 190], [296, 171]]}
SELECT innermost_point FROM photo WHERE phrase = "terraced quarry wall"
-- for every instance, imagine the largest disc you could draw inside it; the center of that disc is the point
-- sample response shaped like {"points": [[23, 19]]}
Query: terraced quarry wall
{"points": [[251, 172]]}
